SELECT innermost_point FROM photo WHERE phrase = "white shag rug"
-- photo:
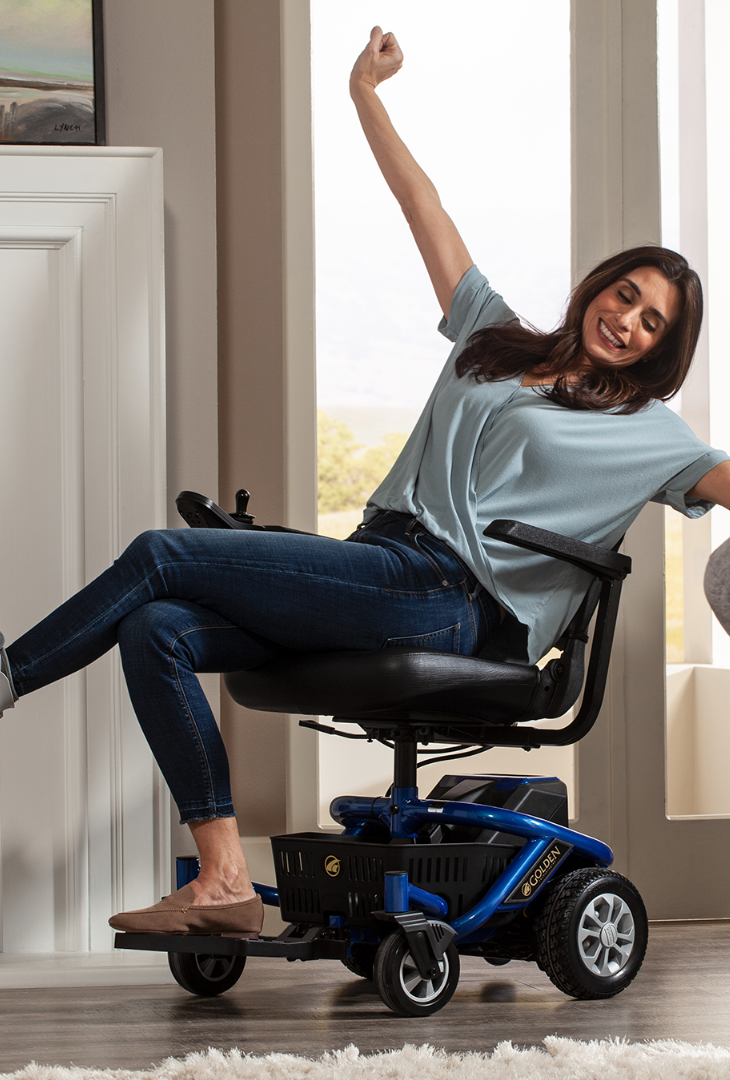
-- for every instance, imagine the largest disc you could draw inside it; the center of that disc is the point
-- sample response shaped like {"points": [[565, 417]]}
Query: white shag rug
{"points": [[557, 1059]]}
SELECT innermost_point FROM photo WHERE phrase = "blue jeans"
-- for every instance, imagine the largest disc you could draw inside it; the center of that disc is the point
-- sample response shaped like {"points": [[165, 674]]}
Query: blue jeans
{"points": [[181, 601]]}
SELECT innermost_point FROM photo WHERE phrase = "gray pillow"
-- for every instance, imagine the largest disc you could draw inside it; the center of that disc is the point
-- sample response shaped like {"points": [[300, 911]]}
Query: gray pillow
{"points": [[717, 584]]}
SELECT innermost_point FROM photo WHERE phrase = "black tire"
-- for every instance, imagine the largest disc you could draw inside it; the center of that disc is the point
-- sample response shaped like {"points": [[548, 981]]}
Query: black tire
{"points": [[361, 959], [205, 974], [497, 961], [400, 985], [591, 933]]}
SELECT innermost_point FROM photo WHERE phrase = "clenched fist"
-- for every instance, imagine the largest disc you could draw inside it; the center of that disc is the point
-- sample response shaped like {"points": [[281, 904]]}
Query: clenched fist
{"points": [[380, 59]]}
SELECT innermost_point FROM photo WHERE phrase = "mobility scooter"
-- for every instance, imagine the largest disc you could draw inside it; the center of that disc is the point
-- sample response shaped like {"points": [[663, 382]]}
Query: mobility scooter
{"points": [[486, 865]]}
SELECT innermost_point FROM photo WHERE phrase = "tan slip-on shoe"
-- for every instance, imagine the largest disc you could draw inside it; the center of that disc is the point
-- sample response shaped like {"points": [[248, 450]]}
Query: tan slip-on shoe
{"points": [[179, 914]]}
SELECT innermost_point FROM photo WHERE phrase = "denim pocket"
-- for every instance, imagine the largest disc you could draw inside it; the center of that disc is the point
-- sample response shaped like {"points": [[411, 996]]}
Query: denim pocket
{"points": [[417, 539], [446, 640]]}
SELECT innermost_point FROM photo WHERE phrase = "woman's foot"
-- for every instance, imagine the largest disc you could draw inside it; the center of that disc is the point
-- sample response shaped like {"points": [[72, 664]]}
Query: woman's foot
{"points": [[224, 876], [180, 913], [211, 890], [220, 900], [8, 697]]}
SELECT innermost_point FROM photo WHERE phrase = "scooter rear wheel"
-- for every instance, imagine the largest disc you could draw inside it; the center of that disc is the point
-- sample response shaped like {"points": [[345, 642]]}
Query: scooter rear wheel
{"points": [[592, 933], [205, 974], [361, 959]]}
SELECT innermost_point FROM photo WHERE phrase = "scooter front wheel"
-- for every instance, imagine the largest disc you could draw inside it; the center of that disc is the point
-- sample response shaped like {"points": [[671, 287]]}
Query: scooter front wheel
{"points": [[402, 987]]}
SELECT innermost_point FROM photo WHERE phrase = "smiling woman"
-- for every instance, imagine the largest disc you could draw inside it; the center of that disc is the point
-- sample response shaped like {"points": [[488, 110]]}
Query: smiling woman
{"points": [[628, 337], [487, 447], [629, 318]]}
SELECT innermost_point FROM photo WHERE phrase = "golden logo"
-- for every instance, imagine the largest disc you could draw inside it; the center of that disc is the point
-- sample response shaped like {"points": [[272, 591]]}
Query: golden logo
{"points": [[545, 866], [536, 877], [332, 865]]}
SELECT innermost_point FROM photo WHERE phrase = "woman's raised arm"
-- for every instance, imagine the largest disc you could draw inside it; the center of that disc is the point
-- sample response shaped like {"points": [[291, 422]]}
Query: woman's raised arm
{"points": [[438, 240]]}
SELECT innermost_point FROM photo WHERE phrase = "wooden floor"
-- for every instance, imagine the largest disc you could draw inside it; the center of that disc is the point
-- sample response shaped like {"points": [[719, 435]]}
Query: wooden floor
{"points": [[682, 992]]}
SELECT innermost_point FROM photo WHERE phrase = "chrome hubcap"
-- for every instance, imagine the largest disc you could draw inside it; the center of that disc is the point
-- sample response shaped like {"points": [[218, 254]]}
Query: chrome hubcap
{"points": [[416, 987], [606, 935]]}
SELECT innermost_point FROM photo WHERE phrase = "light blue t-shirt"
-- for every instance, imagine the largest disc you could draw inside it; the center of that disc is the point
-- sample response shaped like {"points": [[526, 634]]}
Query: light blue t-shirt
{"points": [[482, 451]]}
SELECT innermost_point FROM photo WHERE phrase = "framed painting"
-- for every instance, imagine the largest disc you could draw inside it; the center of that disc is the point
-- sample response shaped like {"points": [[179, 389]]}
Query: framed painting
{"points": [[51, 72]]}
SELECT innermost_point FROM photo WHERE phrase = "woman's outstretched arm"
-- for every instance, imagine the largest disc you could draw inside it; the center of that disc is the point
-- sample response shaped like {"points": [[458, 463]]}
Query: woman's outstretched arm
{"points": [[714, 486], [438, 240]]}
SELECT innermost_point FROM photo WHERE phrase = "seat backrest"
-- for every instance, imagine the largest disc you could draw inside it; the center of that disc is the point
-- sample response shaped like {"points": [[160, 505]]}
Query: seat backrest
{"points": [[572, 645], [567, 673]]}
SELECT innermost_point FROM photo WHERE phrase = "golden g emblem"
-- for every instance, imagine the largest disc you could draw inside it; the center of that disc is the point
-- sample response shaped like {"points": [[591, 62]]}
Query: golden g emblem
{"points": [[526, 889], [332, 865]]}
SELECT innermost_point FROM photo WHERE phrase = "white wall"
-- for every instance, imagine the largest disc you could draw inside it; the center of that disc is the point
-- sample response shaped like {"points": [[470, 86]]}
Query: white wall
{"points": [[698, 741]]}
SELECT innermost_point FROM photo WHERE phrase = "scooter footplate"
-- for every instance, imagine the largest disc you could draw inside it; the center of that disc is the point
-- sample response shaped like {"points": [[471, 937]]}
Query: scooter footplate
{"points": [[213, 945]]}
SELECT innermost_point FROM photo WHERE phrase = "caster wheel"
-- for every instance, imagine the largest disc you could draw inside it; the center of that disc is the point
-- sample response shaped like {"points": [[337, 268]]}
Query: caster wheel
{"points": [[497, 961], [402, 987], [204, 974], [361, 960], [592, 933]]}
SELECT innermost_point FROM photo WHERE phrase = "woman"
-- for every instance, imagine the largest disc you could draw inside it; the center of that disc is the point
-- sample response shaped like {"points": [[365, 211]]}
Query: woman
{"points": [[564, 431]]}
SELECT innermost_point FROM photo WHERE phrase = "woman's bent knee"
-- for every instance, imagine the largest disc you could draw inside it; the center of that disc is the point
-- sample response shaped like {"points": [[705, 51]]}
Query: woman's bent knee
{"points": [[151, 625], [164, 626], [148, 545]]}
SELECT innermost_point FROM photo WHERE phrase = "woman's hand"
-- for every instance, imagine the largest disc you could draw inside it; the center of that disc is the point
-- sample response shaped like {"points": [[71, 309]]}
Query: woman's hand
{"points": [[380, 60]]}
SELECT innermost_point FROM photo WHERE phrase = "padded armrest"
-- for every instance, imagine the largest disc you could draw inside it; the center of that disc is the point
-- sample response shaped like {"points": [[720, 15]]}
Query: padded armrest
{"points": [[598, 561]]}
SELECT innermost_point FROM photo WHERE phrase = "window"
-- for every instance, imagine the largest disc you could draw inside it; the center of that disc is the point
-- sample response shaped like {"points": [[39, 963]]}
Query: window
{"points": [[490, 125], [694, 110], [483, 102]]}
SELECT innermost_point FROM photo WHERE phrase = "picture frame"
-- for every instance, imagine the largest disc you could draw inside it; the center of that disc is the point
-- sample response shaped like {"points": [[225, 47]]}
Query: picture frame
{"points": [[52, 73]]}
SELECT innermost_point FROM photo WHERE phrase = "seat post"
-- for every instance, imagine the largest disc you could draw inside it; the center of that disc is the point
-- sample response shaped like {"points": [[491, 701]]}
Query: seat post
{"points": [[404, 787], [404, 768]]}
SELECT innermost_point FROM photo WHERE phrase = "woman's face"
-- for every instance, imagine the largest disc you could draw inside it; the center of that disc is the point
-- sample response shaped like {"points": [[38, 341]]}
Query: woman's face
{"points": [[625, 321]]}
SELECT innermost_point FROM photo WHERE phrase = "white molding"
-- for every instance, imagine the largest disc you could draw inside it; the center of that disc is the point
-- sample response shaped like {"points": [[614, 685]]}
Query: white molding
{"points": [[98, 213], [693, 243], [300, 395]]}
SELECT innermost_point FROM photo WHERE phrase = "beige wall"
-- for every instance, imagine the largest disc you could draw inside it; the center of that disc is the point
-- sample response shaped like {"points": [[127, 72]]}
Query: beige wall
{"points": [[266, 323], [251, 372], [160, 91]]}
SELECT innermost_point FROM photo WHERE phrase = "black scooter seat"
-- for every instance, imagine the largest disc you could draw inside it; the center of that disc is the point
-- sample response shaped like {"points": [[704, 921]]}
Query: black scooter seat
{"points": [[397, 683]]}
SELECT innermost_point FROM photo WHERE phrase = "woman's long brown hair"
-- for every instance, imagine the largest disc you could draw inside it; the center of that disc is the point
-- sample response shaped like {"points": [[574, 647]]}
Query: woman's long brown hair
{"points": [[509, 349]]}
